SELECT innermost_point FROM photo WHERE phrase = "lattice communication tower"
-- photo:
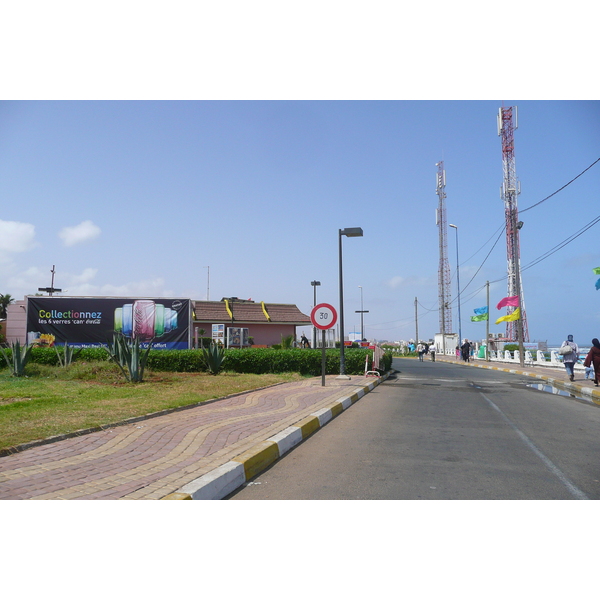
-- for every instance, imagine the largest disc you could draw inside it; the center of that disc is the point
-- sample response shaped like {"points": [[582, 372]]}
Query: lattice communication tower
{"points": [[511, 188], [444, 290]]}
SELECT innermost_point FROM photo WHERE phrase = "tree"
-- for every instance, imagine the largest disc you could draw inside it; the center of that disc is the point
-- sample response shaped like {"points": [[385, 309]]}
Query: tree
{"points": [[5, 300]]}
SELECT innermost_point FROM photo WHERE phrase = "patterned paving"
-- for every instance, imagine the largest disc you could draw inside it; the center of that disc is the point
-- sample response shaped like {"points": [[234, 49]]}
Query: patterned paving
{"points": [[152, 458]]}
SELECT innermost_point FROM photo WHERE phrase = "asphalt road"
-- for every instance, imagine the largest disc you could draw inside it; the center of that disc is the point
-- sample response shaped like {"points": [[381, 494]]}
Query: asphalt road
{"points": [[444, 431]]}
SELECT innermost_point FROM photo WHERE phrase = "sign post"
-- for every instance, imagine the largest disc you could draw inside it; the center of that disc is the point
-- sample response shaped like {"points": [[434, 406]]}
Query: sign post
{"points": [[323, 317]]}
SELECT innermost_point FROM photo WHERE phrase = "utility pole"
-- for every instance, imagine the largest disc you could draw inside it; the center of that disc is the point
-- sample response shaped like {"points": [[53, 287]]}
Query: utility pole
{"points": [[416, 324], [487, 324], [362, 312], [444, 290], [50, 289]]}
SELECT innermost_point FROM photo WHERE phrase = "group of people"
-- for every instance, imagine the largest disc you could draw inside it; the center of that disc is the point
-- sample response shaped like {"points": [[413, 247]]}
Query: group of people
{"points": [[591, 361], [465, 350], [423, 349]]}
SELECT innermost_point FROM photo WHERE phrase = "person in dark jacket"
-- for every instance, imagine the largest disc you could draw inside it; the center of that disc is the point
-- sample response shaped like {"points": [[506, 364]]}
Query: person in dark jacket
{"points": [[593, 358], [466, 350]]}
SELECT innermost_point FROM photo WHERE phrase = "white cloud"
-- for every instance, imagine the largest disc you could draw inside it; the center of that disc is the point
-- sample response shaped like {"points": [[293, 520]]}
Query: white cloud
{"points": [[86, 275], [84, 232], [80, 286], [16, 237], [395, 282]]}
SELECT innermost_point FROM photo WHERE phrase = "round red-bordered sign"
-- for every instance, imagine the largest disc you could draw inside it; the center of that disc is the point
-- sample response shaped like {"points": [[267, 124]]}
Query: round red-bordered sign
{"points": [[323, 316]]}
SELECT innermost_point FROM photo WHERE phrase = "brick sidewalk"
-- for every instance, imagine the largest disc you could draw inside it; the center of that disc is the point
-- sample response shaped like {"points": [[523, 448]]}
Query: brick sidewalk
{"points": [[153, 458]]}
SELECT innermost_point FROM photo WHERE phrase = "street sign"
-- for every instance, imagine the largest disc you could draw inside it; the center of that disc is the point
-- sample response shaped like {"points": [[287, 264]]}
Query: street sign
{"points": [[323, 316]]}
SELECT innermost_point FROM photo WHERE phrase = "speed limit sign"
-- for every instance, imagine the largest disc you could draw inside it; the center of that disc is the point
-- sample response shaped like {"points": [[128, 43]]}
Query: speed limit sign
{"points": [[323, 316]]}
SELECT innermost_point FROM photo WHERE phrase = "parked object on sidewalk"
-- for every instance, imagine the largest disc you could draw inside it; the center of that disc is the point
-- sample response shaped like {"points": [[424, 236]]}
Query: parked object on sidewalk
{"points": [[570, 358], [593, 359]]}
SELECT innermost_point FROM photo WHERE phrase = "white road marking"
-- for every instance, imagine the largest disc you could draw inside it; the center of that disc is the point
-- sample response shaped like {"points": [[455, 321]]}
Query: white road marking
{"points": [[571, 487]]}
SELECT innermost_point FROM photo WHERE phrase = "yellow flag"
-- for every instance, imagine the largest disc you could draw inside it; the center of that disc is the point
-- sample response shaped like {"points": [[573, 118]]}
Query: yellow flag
{"points": [[516, 314]]}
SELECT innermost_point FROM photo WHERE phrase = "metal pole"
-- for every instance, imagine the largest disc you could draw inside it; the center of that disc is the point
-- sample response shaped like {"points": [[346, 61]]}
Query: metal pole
{"points": [[458, 284], [342, 357], [362, 325], [518, 290], [323, 359], [416, 324], [487, 325]]}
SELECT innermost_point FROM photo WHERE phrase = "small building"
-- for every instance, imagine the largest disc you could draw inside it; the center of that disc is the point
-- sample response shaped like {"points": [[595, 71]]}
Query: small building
{"points": [[266, 322]]}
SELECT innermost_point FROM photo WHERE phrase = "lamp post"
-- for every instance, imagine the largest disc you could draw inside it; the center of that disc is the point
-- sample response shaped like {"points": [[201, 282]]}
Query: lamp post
{"points": [[458, 284], [361, 311], [348, 232], [315, 284]]}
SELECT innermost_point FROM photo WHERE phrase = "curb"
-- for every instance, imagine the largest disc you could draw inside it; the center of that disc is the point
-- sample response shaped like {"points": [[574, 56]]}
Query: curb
{"points": [[593, 395], [223, 480]]}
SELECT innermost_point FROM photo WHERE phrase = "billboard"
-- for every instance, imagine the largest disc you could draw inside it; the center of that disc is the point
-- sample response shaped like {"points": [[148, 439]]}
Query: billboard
{"points": [[90, 322]]}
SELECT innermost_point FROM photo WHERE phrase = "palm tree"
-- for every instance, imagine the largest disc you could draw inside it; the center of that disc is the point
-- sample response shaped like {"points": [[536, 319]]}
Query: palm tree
{"points": [[5, 300]]}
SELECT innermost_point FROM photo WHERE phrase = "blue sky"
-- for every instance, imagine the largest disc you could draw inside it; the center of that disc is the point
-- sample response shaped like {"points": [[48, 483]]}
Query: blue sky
{"points": [[139, 197], [139, 147]]}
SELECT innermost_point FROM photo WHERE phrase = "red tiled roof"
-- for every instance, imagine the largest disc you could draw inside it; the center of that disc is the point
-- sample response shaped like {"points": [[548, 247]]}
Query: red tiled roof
{"points": [[249, 312]]}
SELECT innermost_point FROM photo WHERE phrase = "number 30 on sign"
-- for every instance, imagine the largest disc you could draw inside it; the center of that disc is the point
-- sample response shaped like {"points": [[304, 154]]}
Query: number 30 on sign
{"points": [[323, 316]]}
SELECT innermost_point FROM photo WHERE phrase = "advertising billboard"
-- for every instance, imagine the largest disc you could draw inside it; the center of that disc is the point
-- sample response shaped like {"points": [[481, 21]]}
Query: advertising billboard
{"points": [[89, 322]]}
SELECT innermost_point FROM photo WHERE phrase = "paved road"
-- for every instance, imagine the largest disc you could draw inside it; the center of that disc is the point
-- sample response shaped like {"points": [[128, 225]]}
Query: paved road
{"points": [[446, 431]]}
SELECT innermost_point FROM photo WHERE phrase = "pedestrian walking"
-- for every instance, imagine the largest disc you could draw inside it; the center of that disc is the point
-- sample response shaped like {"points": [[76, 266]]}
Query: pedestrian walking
{"points": [[593, 359], [432, 352], [420, 350], [466, 350], [569, 358]]}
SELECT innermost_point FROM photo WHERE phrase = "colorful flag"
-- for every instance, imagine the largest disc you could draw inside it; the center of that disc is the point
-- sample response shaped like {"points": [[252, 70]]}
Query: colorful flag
{"points": [[480, 318], [598, 284], [508, 301], [596, 271], [512, 317], [481, 311]]}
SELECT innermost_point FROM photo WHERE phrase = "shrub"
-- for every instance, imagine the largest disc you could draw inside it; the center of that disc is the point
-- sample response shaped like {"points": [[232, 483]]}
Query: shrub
{"points": [[128, 356], [213, 358], [17, 358]]}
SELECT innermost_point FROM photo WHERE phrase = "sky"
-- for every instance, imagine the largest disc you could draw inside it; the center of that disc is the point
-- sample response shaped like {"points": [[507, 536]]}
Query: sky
{"points": [[213, 199], [206, 152]]}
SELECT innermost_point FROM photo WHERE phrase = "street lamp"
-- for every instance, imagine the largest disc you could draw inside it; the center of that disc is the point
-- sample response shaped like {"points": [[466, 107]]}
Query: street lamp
{"points": [[348, 232], [458, 284], [361, 311], [315, 284]]}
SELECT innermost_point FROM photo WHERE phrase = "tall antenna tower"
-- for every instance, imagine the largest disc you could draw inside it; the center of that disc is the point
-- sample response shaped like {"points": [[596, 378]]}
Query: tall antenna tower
{"points": [[444, 267], [511, 188]]}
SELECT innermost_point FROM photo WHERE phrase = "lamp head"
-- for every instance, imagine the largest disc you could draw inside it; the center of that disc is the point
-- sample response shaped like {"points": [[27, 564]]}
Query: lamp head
{"points": [[352, 232]]}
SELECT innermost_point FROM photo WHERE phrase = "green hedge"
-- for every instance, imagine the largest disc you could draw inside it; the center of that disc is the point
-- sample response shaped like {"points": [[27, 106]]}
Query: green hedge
{"points": [[247, 360]]}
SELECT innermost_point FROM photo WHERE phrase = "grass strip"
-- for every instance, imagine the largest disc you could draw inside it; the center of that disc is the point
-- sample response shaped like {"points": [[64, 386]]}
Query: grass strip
{"points": [[53, 401]]}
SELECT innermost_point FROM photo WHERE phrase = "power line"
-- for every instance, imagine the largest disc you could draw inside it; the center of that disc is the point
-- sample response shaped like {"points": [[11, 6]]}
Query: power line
{"points": [[559, 190]]}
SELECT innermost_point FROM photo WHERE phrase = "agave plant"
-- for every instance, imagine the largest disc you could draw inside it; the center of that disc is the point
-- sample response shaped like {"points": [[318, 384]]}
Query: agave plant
{"points": [[129, 357], [18, 358], [67, 355], [213, 358]]}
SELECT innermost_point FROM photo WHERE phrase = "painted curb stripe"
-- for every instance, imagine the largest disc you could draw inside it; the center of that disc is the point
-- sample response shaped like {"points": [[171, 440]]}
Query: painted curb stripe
{"points": [[308, 426], [177, 496], [217, 483], [258, 458], [223, 480], [287, 439]]}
